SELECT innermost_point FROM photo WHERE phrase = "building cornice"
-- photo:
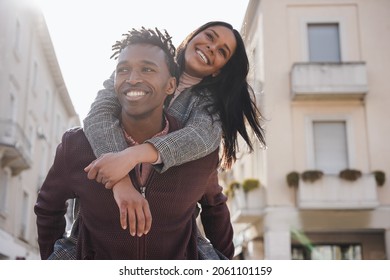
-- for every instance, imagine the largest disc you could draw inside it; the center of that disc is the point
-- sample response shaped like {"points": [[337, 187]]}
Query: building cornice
{"points": [[50, 55]]}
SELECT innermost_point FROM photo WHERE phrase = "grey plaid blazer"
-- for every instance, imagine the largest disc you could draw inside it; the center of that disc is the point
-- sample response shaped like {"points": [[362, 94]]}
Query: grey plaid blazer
{"points": [[201, 133]]}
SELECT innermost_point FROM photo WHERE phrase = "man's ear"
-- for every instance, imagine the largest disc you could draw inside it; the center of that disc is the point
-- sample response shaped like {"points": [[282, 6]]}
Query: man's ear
{"points": [[171, 86]]}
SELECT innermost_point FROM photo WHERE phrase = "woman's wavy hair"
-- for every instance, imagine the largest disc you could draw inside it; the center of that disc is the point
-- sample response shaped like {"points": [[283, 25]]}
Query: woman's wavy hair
{"points": [[233, 97]]}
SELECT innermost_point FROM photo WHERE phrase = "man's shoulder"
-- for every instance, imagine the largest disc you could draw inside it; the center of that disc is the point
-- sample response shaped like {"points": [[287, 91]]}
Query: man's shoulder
{"points": [[76, 143], [76, 131], [74, 134]]}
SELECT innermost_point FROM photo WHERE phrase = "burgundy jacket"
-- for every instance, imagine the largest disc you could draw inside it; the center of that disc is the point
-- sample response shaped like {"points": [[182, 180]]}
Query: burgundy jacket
{"points": [[172, 196]]}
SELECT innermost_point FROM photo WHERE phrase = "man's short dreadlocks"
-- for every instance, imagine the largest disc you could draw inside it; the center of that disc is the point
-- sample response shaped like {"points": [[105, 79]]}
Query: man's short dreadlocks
{"points": [[152, 37]]}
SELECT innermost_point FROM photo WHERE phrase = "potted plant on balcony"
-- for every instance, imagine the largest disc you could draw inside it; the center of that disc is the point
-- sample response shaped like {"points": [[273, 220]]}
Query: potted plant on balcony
{"points": [[231, 189], [293, 179], [312, 175], [380, 177], [250, 184], [350, 174]]}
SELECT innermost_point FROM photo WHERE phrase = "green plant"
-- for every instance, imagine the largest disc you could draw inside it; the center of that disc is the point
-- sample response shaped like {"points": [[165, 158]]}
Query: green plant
{"points": [[250, 184], [350, 174], [380, 177], [234, 185], [292, 179], [312, 175]]}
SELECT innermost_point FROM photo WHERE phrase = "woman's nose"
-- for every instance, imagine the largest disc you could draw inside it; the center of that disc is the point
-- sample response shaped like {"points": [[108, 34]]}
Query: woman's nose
{"points": [[211, 48]]}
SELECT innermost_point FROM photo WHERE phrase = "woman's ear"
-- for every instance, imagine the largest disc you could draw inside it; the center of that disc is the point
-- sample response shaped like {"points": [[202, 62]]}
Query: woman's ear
{"points": [[216, 74], [171, 87]]}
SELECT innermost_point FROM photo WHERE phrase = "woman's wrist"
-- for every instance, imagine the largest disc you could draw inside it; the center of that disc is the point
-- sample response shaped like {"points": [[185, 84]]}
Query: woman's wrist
{"points": [[143, 153]]}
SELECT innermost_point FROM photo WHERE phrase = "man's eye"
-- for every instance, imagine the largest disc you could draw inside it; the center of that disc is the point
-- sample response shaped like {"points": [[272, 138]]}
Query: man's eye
{"points": [[147, 69], [122, 70]]}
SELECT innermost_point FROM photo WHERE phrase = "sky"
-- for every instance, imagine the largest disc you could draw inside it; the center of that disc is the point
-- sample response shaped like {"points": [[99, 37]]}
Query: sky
{"points": [[83, 31]]}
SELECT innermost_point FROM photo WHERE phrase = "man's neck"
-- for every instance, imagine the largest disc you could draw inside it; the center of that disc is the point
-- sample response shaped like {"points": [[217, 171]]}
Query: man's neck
{"points": [[142, 129]]}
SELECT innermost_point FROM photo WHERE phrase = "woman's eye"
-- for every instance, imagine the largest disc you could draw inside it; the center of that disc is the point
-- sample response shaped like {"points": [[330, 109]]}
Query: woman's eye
{"points": [[223, 53], [209, 36]]}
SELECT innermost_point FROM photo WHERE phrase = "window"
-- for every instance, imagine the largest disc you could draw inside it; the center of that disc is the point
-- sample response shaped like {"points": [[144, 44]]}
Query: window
{"points": [[58, 132], [24, 217], [8, 108], [330, 146], [31, 132], [5, 177], [16, 46], [327, 252], [47, 101], [324, 42], [12, 107], [34, 77]]}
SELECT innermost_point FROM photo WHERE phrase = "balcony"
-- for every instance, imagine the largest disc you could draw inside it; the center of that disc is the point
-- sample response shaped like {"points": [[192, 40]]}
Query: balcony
{"points": [[247, 207], [332, 192], [329, 81], [15, 148]]}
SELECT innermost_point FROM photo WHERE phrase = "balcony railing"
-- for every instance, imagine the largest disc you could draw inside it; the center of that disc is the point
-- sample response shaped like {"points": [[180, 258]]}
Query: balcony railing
{"points": [[312, 81], [247, 207], [15, 147], [332, 192]]}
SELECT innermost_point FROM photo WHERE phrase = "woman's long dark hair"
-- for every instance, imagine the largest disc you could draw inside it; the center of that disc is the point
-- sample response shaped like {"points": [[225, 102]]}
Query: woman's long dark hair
{"points": [[233, 97]]}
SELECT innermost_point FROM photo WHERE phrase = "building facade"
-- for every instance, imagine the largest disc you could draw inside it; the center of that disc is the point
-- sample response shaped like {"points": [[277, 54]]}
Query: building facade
{"points": [[320, 72], [35, 110]]}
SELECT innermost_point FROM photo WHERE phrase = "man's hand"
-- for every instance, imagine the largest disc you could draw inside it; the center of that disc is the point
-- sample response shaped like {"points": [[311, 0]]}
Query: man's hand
{"points": [[133, 208]]}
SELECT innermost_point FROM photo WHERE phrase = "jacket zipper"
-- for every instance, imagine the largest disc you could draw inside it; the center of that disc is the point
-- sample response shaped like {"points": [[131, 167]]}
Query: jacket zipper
{"points": [[142, 239], [143, 190]]}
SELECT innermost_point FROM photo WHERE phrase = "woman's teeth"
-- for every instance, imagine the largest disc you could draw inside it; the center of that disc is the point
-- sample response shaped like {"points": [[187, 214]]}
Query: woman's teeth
{"points": [[202, 56]]}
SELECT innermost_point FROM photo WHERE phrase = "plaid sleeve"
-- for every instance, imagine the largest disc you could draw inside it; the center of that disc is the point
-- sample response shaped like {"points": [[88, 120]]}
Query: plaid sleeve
{"points": [[101, 125], [201, 133]]}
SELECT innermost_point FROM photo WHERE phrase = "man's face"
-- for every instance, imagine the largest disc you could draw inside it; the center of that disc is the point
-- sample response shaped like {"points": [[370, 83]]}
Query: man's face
{"points": [[142, 81]]}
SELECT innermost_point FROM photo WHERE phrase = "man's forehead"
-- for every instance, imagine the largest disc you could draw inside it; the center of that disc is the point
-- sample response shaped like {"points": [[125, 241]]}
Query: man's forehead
{"points": [[139, 51]]}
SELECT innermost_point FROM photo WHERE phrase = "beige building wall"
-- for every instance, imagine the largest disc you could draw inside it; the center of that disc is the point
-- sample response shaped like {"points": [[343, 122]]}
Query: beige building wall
{"points": [[293, 94], [35, 110]]}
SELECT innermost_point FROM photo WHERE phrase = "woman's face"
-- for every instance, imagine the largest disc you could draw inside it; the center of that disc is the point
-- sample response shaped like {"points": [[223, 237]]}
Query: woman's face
{"points": [[209, 51]]}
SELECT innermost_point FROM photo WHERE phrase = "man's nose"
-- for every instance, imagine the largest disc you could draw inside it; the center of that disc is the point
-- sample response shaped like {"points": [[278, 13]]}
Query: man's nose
{"points": [[133, 78]]}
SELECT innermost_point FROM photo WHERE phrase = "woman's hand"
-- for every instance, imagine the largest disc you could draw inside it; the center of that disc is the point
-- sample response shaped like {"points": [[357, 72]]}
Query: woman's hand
{"points": [[111, 167], [133, 208]]}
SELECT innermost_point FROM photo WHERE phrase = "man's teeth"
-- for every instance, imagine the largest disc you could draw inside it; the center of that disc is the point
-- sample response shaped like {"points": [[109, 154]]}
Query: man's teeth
{"points": [[202, 56], [135, 93]]}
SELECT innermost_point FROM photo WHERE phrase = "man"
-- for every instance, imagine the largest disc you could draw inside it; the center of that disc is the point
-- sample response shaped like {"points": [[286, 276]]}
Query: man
{"points": [[144, 78]]}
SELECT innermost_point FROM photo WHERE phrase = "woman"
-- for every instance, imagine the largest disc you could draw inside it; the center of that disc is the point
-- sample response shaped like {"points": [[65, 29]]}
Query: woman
{"points": [[213, 101]]}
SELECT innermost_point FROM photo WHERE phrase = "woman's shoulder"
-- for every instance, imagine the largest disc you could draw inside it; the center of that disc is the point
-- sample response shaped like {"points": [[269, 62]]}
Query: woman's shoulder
{"points": [[190, 95]]}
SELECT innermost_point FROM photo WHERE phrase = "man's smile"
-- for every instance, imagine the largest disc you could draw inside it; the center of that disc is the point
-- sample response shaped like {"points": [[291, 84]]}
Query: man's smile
{"points": [[135, 93]]}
